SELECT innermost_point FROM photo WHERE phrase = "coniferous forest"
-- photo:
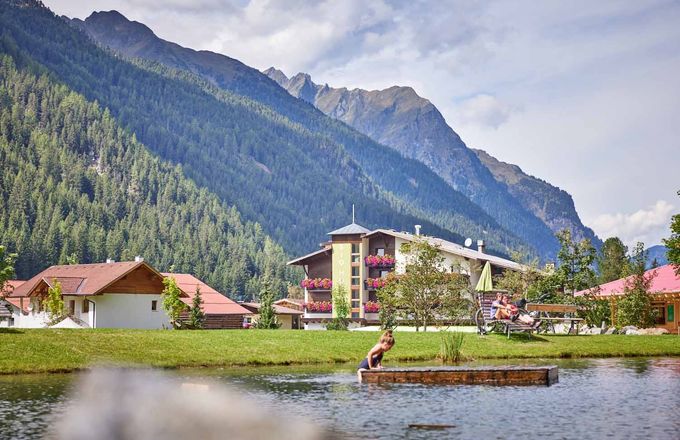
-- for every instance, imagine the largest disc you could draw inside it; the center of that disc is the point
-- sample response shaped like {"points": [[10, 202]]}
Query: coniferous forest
{"points": [[78, 187]]}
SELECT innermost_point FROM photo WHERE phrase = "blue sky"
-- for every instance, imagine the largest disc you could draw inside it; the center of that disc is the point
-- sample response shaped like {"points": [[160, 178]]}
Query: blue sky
{"points": [[583, 94]]}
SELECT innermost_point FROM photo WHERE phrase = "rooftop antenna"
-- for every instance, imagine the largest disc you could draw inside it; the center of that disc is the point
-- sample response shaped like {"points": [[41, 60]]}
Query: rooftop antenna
{"points": [[352, 212]]}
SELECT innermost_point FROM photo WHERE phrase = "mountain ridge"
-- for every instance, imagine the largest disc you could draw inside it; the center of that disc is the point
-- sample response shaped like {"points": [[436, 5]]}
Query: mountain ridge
{"points": [[398, 117]]}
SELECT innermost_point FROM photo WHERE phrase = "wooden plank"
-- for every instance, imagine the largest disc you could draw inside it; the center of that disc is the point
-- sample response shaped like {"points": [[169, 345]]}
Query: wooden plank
{"points": [[509, 375]]}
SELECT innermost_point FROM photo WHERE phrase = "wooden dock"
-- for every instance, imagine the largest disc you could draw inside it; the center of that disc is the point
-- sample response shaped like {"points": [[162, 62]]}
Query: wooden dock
{"points": [[510, 375]]}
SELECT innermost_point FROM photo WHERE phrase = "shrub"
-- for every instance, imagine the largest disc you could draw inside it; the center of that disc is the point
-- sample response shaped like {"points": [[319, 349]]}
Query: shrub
{"points": [[342, 310]]}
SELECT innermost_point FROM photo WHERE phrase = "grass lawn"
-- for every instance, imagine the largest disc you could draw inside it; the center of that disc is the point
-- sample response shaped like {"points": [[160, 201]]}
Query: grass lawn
{"points": [[51, 350]]}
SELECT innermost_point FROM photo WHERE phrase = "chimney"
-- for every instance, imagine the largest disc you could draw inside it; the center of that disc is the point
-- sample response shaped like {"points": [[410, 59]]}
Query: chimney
{"points": [[138, 259], [480, 246], [109, 261], [418, 230]]}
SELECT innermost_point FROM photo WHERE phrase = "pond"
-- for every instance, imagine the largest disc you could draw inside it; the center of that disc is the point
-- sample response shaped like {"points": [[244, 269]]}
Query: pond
{"points": [[595, 398]]}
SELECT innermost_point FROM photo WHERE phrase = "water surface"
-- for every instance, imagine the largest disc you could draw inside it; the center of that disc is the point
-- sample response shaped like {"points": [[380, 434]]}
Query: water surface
{"points": [[598, 398]]}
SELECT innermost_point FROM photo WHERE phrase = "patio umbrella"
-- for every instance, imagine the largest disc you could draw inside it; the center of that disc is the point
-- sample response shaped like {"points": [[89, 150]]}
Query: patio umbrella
{"points": [[485, 284]]}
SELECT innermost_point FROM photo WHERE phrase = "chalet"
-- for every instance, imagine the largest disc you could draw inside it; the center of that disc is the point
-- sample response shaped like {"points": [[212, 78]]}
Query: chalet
{"points": [[121, 295], [360, 260], [289, 318], [291, 303], [664, 292], [115, 295], [220, 312]]}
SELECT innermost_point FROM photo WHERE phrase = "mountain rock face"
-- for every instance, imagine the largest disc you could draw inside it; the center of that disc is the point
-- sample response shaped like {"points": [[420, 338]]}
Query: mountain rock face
{"points": [[552, 205], [399, 118]]}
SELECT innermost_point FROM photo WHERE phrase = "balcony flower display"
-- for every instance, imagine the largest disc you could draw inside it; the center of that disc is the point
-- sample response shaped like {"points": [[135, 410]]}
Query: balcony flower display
{"points": [[372, 307], [319, 307], [316, 283], [375, 283], [379, 261]]}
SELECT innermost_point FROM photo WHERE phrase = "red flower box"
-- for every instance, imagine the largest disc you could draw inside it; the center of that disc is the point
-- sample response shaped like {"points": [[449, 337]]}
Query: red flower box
{"points": [[319, 307], [372, 307], [316, 283], [375, 283], [379, 261]]}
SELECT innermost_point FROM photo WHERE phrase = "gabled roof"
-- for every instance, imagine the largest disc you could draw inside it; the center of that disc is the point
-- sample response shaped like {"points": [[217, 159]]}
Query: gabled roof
{"points": [[214, 303], [9, 287], [81, 279], [452, 248], [351, 229], [665, 281], [299, 260], [279, 310]]}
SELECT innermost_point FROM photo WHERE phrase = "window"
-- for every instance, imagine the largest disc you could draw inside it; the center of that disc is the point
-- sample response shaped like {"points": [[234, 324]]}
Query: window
{"points": [[355, 315], [383, 273], [670, 315], [72, 307], [355, 281], [355, 271], [660, 314], [86, 306], [355, 294], [154, 305], [380, 251], [355, 248]]}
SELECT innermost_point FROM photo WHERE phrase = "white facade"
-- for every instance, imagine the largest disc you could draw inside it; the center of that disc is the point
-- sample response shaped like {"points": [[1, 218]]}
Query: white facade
{"points": [[110, 310]]}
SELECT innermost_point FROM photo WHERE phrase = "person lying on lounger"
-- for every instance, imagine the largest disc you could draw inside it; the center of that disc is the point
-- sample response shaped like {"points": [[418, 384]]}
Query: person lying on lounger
{"points": [[515, 315]]}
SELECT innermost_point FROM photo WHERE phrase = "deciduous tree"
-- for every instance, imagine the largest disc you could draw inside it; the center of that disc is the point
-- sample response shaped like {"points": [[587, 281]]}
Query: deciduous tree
{"points": [[172, 304], [427, 290]]}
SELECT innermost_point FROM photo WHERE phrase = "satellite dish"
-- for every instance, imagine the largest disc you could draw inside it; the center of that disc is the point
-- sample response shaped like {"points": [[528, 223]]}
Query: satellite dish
{"points": [[30, 306], [468, 242]]}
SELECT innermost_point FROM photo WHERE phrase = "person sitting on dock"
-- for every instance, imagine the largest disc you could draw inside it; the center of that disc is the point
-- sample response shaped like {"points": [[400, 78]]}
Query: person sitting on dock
{"points": [[373, 359]]}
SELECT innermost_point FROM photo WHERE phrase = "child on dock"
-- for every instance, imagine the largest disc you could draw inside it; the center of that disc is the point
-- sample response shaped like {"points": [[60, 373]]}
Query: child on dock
{"points": [[373, 359]]}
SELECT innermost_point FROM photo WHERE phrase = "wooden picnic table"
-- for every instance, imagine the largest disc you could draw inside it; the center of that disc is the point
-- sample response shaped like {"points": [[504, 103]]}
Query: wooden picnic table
{"points": [[544, 311]]}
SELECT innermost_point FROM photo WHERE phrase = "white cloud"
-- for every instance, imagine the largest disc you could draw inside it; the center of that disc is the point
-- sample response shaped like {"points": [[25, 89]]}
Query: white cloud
{"points": [[483, 110], [646, 225]]}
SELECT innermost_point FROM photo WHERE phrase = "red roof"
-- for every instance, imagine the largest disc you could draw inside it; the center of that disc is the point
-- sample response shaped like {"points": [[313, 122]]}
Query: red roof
{"points": [[10, 285], [665, 281], [214, 303], [81, 279]]}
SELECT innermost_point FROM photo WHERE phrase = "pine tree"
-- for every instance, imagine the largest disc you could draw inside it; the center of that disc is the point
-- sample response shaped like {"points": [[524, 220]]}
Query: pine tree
{"points": [[267, 318], [6, 269], [612, 263], [196, 315]]}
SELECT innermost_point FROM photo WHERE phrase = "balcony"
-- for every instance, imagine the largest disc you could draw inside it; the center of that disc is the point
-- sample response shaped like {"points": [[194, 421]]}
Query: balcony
{"points": [[316, 284], [379, 261], [372, 310]]}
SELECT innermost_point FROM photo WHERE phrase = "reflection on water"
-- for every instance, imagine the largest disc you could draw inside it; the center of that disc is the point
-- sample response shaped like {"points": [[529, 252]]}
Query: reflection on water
{"points": [[595, 398]]}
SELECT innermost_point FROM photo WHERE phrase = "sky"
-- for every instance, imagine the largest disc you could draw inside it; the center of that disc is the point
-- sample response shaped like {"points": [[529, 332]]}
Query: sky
{"points": [[582, 94]]}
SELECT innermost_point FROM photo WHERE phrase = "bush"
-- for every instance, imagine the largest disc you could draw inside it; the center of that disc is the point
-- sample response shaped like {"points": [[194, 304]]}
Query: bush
{"points": [[594, 310], [635, 308]]}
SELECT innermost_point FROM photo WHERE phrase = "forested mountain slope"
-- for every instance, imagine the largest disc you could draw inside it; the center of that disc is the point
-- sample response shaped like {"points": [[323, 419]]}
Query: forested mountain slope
{"points": [[297, 184], [75, 185], [412, 186]]}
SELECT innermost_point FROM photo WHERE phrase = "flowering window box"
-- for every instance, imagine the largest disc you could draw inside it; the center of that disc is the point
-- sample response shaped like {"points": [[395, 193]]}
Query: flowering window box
{"points": [[375, 283], [372, 307], [319, 307], [379, 261], [316, 284]]}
